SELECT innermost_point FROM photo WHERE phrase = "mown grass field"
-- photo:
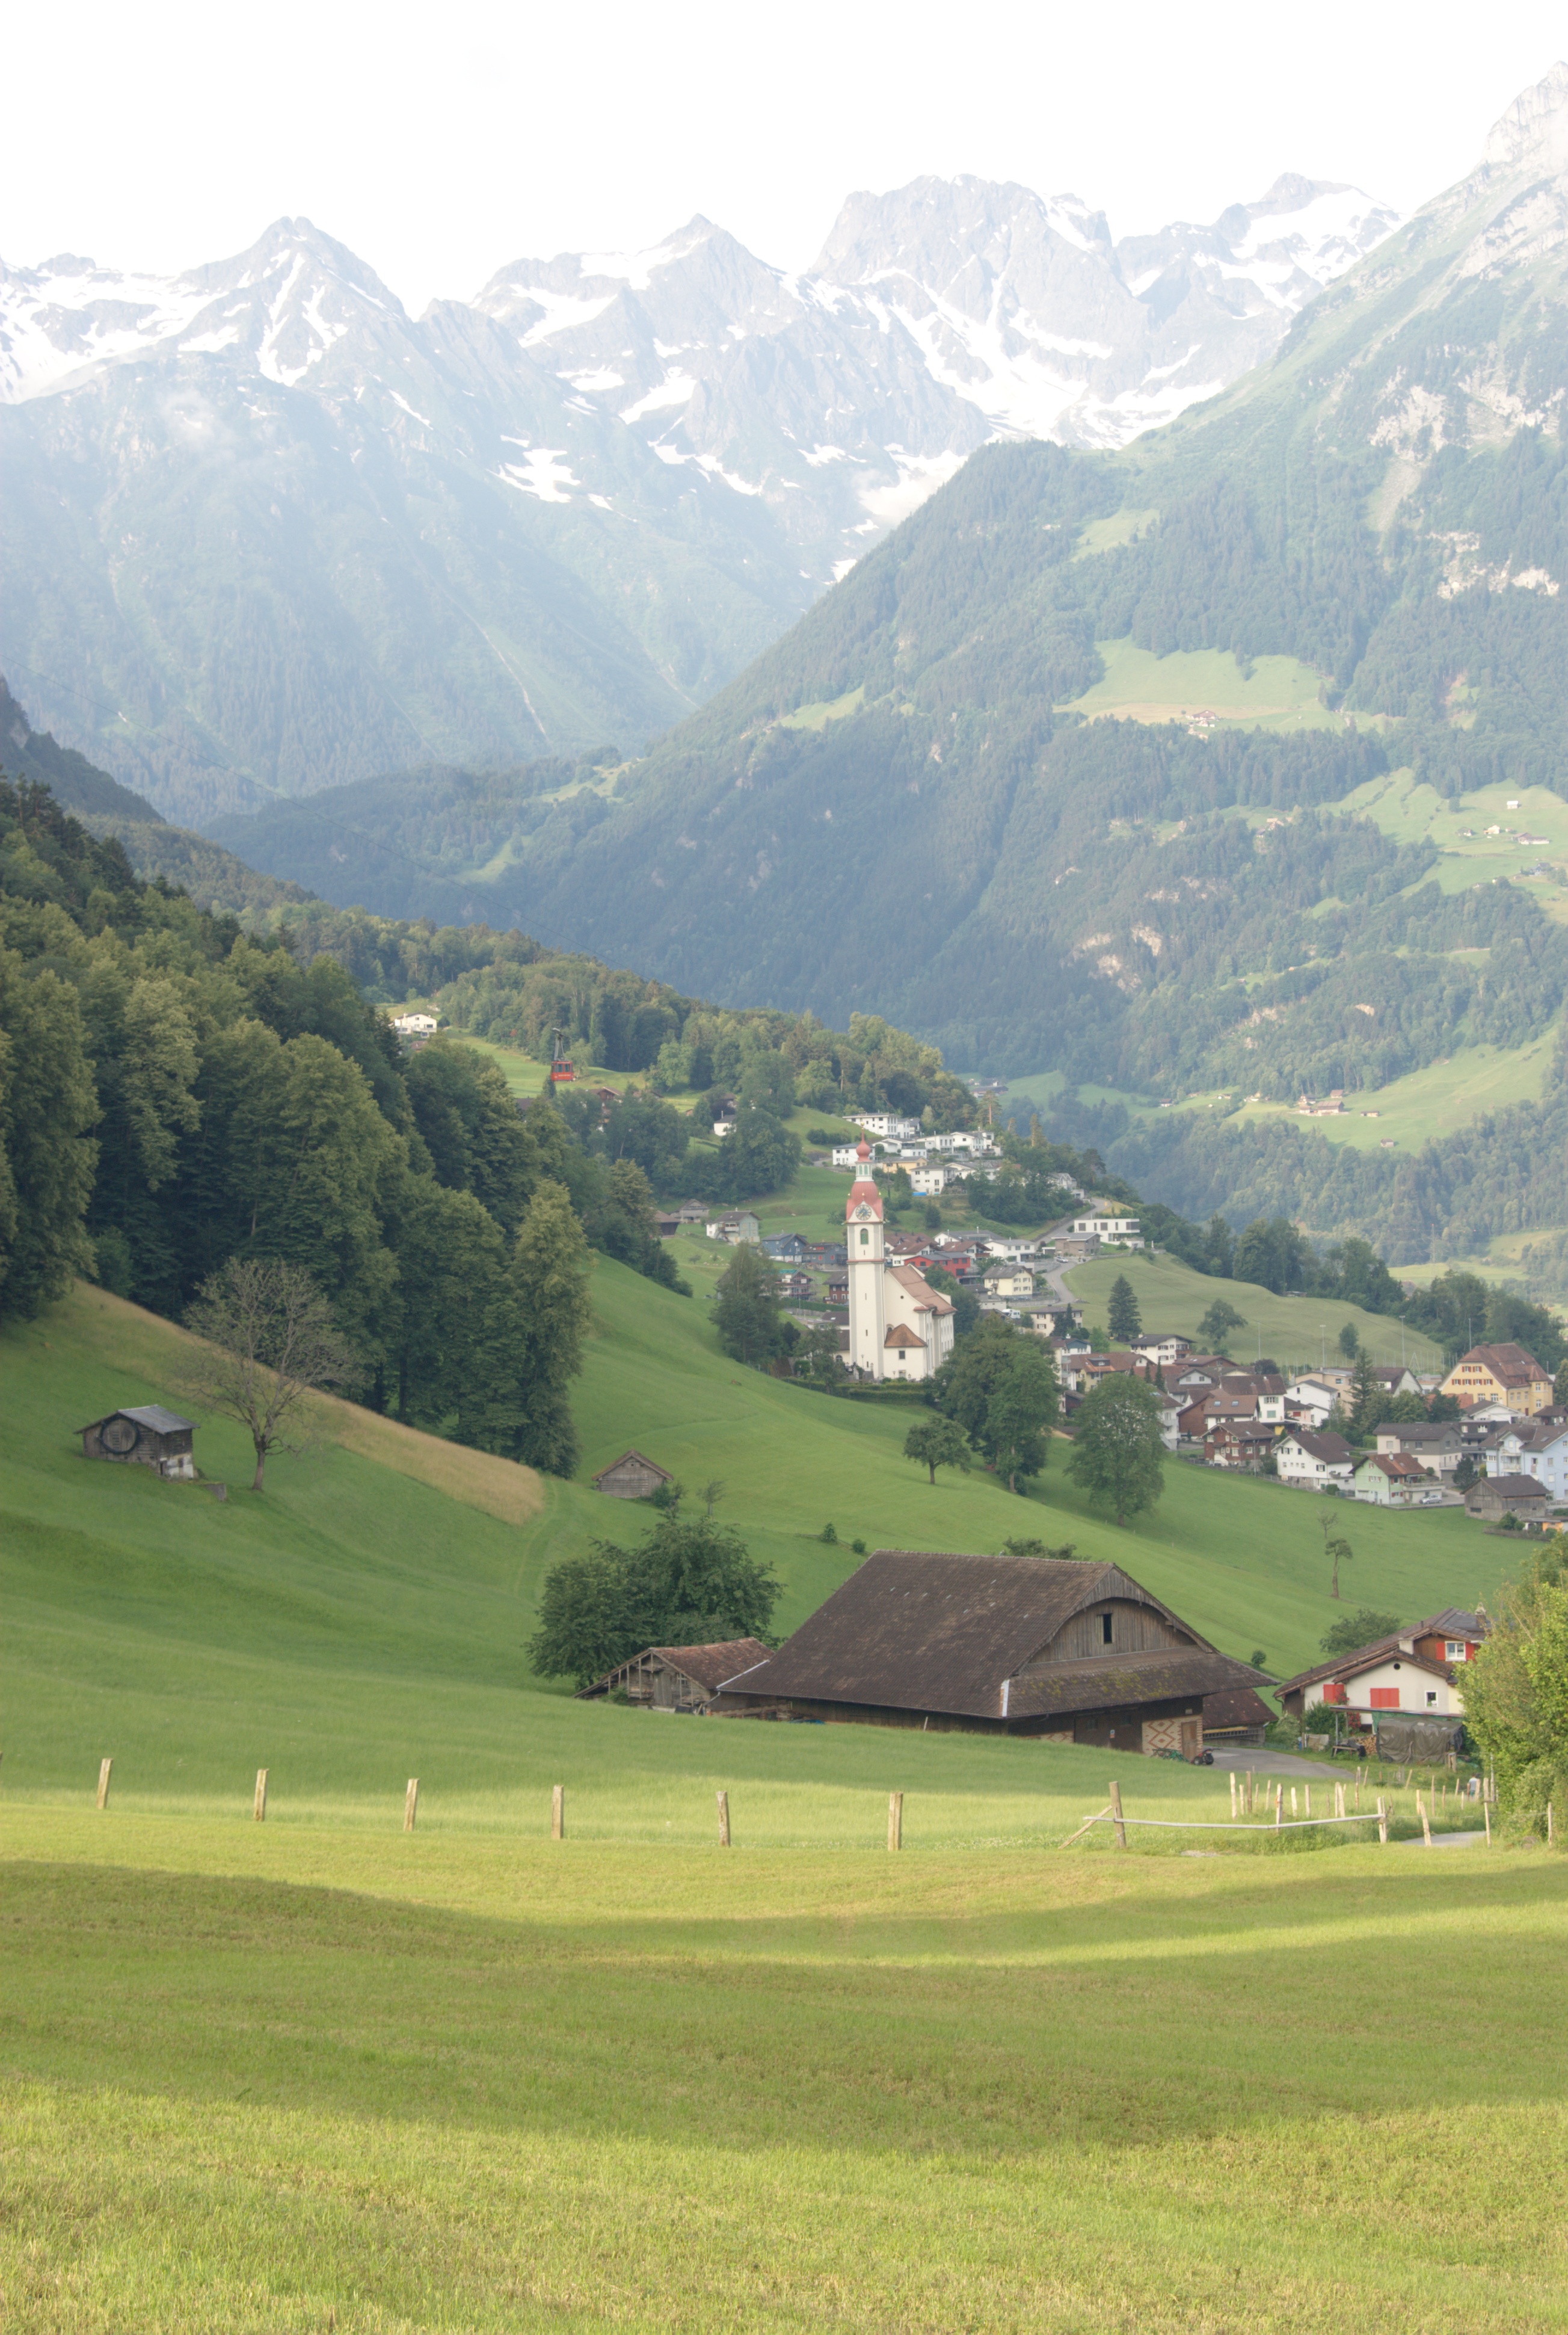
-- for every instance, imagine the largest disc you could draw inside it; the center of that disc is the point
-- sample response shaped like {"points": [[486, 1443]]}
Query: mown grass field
{"points": [[1296, 1331], [320, 2073], [1273, 692]]}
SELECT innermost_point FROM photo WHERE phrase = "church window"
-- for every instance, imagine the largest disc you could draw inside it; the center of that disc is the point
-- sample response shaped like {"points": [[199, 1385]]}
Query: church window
{"points": [[865, 1237]]}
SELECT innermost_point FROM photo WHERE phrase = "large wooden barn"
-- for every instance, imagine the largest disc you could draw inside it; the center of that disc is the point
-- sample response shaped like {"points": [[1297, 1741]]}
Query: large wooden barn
{"points": [[1015, 1645]]}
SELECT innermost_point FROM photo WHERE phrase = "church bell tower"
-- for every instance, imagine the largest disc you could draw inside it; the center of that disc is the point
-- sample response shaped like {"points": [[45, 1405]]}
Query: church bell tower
{"points": [[862, 1241]]}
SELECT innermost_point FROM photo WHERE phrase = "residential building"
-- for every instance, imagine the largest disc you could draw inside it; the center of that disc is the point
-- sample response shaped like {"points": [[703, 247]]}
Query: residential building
{"points": [[1242, 1443], [899, 1326], [1110, 1231], [1310, 1401], [1506, 1374], [1006, 1279], [415, 1025], [1438, 1445], [1314, 1463], [1162, 1346], [927, 1183], [884, 1124], [1394, 1479], [1535, 1447], [1066, 1652], [1417, 1673]]}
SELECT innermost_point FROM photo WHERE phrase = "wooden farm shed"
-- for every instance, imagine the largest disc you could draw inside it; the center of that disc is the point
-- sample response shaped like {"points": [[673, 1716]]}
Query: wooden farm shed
{"points": [[1237, 1717], [677, 1678], [147, 1434], [1009, 1645], [632, 1477]]}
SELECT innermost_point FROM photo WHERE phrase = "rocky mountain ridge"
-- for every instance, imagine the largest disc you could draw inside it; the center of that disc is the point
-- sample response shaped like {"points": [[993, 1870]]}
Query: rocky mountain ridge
{"points": [[268, 533]]}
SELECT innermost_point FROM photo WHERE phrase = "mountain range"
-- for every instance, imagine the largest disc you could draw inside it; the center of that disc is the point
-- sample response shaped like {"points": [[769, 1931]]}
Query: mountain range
{"points": [[267, 534], [1151, 768]]}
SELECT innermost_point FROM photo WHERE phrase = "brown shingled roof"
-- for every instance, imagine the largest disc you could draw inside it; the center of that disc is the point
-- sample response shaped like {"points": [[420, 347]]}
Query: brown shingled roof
{"points": [[913, 1631]]}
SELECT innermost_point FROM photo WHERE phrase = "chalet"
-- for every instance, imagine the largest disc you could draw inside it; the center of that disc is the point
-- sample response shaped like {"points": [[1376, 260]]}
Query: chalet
{"points": [[1496, 1497], [1534, 1446], [666, 1227], [1163, 1348], [1396, 1379], [1417, 1672], [677, 1678], [794, 1288], [415, 1025], [147, 1435], [1309, 1402], [691, 1212], [786, 1248], [1065, 1651], [1317, 1463], [1395, 1480], [1504, 1374], [1240, 1443], [632, 1477]]}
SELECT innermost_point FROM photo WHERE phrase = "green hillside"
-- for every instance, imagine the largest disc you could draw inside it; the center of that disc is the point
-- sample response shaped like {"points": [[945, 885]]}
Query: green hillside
{"points": [[365, 1618], [1298, 1331]]}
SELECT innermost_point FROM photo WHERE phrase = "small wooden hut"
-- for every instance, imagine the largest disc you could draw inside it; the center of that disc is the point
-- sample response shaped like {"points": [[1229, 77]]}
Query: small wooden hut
{"points": [[677, 1678], [147, 1434], [632, 1477]]}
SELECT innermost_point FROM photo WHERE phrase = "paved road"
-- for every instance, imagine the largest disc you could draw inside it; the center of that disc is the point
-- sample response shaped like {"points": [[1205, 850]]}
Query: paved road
{"points": [[1279, 1763]]}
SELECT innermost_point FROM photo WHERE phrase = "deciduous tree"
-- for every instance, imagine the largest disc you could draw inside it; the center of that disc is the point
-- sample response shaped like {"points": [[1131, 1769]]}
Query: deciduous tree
{"points": [[268, 1343], [1117, 1453], [937, 1442]]}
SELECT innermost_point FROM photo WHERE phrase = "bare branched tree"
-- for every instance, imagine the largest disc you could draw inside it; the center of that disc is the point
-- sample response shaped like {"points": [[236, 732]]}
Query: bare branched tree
{"points": [[269, 1343]]}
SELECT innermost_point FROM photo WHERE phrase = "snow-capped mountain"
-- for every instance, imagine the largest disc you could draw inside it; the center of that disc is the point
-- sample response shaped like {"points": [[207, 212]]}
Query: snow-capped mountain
{"points": [[265, 532]]}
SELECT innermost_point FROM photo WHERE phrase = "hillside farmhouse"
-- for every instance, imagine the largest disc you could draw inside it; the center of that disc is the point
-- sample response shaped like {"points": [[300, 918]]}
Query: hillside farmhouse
{"points": [[1506, 1374], [149, 1436], [1009, 1645], [1417, 1673], [676, 1678]]}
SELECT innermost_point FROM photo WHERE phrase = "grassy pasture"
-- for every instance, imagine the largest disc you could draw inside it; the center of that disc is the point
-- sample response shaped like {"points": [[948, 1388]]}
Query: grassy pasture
{"points": [[1274, 693], [279, 2079], [1295, 1330]]}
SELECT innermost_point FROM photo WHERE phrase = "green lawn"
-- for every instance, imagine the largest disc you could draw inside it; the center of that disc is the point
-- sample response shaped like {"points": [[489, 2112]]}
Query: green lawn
{"points": [[1296, 1331]]}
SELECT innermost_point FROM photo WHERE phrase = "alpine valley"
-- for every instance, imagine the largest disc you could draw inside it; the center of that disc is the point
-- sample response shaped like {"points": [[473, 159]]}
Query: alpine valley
{"points": [[1202, 772]]}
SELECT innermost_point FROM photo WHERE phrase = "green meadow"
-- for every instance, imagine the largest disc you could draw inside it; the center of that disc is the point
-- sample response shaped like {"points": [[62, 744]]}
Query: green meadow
{"points": [[1268, 692], [324, 2073], [1296, 1331]]}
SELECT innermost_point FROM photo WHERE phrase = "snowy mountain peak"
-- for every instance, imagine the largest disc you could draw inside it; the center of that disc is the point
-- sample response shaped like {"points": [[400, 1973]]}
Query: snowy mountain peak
{"points": [[1533, 134]]}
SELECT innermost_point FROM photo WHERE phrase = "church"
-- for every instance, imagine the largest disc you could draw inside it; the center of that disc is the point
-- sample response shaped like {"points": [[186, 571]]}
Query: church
{"points": [[899, 1326]]}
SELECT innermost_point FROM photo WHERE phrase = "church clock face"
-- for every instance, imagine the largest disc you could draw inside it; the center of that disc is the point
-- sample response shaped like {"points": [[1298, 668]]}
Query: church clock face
{"points": [[863, 1210]]}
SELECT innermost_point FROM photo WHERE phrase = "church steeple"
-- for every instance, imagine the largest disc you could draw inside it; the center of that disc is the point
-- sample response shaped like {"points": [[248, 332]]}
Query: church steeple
{"points": [[863, 1231]]}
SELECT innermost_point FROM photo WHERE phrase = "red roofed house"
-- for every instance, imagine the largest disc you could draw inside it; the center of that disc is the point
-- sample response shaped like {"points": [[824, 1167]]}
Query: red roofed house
{"points": [[1418, 1672], [1395, 1480], [899, 1326]]}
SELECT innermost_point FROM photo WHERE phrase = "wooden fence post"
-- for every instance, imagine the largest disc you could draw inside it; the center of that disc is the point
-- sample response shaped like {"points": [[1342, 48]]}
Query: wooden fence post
{"points": [[894, 1819], [1307, 1789], [1233, 1796], [411, 1802], [1339, 1799], [260, 1810], [558, 1813], [1294, 1810], [723, 1819], [1425, 1806], [105, 1768], [1382, 1820], [1278, 1806], [1486, 1819], [1116, 1815]]}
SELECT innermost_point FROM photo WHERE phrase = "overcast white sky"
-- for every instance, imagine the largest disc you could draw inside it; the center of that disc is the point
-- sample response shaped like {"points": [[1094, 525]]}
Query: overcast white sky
{"points": [[441, 142]]}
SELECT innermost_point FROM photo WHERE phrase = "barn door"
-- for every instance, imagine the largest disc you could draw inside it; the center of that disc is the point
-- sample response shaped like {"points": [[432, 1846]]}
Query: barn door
{"points": [[1192, 1738]]}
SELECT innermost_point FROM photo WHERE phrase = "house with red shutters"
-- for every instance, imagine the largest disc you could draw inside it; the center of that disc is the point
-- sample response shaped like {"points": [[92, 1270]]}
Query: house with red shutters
{"points": [[1416, 1673]]}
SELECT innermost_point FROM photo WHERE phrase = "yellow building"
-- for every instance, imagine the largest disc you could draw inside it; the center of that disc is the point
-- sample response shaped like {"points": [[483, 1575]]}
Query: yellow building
{"points": [[1506, 1374]]}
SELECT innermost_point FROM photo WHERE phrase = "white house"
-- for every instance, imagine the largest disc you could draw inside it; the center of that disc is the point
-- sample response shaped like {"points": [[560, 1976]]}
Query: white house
{"points": [[1315, 1463], [736, 1229], [1310, 1400], [899, 1326], [723, 1127], [974, 1140], [845, 1155], [1162, 1347], [415, 1025], [926, 1182], [1009, 1278], [1114, 1231], [884, 1123], [1535, 1447]]}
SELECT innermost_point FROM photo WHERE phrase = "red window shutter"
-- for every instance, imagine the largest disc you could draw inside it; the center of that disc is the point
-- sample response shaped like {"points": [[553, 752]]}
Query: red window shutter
{"points": [[1384, 1698], [1333, 1692]]}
